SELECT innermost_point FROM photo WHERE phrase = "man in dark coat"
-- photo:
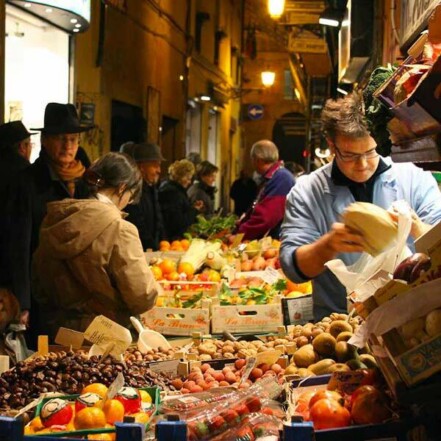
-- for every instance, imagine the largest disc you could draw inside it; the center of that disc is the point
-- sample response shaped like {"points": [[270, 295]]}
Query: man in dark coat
{"points": [[55, 175], [146, 215], [15, 151]]}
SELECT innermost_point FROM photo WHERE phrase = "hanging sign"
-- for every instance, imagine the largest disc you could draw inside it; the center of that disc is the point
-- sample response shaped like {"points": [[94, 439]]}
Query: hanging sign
{"points": [[414, 16]]}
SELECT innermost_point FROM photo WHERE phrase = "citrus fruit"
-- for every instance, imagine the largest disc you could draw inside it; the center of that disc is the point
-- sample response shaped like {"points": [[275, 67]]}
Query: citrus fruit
{"points": [[167, 266], [28, 430], [141, 417], [185, 243], [36, 424], [96, 388], [114, 411], [101, 436], [173, 276], [145, 396], [176, 246], [90, 418], [157, 272], [164, 245], [186, 268], [214, 276]]}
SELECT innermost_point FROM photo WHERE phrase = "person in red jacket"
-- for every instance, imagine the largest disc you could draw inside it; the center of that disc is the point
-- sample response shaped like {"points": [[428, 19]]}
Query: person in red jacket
{"points": [[266, 214]]}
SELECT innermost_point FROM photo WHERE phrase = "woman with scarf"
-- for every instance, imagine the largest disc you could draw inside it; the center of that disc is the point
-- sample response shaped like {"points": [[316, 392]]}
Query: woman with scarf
{"points": [[203, 189], [90, 260]]}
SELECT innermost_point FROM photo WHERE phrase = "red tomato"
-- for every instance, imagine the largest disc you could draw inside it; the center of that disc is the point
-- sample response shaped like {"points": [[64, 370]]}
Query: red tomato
{"points": [[329, 414], [329, 394], [369, 406]]}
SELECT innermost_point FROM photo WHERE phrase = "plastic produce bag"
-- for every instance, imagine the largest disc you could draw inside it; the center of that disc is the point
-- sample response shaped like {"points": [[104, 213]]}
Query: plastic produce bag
{"points": [[368, 273]]}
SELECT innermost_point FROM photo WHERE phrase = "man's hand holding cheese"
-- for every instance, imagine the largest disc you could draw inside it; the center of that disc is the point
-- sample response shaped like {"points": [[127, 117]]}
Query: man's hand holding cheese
{"points": [[314, 231]]}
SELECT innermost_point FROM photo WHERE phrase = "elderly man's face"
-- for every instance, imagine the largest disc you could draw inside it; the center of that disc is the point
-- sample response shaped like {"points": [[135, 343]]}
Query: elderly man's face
{"points": [[63, 148], [150, 171]]}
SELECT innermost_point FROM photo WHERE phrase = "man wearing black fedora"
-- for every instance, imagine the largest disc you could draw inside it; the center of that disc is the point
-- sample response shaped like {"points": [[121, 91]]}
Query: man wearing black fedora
{"points": [[146, 215], [55, 175]]}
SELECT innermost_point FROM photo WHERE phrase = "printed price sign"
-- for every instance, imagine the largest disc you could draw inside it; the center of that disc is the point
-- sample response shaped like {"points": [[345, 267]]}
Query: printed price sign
{"points": [[297, 310]]}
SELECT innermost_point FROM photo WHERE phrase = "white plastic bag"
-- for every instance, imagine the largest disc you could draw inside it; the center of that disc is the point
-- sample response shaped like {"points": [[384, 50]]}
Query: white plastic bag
{"points": [[368, 273]]}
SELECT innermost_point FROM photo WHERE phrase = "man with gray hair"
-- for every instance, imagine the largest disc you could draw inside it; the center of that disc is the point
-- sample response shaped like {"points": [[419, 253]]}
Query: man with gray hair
{"points": [[266, 214]]}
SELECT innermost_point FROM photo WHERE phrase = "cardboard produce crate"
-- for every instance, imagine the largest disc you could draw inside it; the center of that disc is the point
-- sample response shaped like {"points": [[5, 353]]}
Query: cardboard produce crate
{"points": [[177, 321], [396, 304], [247, 319]]}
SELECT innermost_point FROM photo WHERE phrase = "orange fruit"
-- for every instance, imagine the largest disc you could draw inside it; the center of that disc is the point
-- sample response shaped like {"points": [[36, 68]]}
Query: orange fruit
{"points": [[164, 245], [173, 276], [214, 276], [114, 411], [96, 388], [36, 424], [185, 243], [90, 418], [186, 268], [28, 430], [157, 272], [141, 417], [101, 436], [167, 266], [145, 396]]}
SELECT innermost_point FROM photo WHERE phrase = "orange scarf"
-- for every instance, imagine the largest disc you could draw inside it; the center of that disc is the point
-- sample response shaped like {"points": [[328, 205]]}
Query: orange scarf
{"points": [[68, 174]]}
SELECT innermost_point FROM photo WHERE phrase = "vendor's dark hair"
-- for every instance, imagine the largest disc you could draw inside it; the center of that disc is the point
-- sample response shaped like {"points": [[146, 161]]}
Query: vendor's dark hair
{"points": [[113, 170], [205, 168], [345, 116]]}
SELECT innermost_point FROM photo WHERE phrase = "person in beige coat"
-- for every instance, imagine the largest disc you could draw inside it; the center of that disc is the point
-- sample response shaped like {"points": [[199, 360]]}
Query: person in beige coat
{"points": [[90, 260]]}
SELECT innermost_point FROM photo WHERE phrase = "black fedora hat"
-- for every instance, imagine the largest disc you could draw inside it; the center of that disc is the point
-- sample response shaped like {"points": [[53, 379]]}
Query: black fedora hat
{"points": [[13, 132], [62, 118], [146, 152]]}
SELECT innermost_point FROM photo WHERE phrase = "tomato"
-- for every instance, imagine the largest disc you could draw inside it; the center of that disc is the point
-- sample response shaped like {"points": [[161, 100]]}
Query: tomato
{"points": [[369, 406], [329, 394], [329, 414], [370, 377], [361, 390]]}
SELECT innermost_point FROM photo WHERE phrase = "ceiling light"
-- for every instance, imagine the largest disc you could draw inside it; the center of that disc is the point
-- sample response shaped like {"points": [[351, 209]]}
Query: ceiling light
{"points": [[331, 17], [276, 8], [27, 5], [49, 10], [268, 78], [76, 30], [205, 98], [181, 77], [73, 20], [342, 91], [78, 25]]}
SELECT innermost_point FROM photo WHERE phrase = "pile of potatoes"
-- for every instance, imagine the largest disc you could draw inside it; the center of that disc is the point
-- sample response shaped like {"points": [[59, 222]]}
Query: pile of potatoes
{"points": [[322, 348]]}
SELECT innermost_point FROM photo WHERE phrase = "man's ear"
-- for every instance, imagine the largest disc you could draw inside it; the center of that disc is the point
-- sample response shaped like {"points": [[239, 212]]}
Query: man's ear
{"points": [[331, 145]]}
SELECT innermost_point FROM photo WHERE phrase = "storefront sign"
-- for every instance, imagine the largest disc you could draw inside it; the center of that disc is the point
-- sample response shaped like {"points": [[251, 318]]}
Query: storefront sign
{"points": [[306, 42], [414, 15], [70, 15]]}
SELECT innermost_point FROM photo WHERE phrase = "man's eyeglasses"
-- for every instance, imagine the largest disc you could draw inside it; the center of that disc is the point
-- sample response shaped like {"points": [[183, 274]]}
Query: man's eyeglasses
{"points": [[353, 157]]}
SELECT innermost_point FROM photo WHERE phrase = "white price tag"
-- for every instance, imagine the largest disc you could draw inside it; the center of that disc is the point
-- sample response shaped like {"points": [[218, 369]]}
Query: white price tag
{"points": [[270, 276], [110, 337], [169, 367], [117, 384]]}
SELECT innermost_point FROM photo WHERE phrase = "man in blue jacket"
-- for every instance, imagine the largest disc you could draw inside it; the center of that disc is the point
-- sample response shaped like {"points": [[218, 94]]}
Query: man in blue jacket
{"points": [[312, 233]]}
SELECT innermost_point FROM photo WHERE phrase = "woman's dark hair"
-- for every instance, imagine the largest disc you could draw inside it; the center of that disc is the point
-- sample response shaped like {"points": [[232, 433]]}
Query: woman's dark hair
{"points": [[113, 170], [205, 168]]}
